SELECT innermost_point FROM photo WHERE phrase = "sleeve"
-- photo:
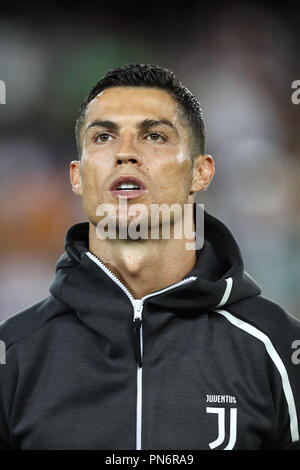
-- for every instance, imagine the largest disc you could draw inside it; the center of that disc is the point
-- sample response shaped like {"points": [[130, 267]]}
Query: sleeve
{"points": [[4, 432], [288, 393], [7, 385], [4, 437]]}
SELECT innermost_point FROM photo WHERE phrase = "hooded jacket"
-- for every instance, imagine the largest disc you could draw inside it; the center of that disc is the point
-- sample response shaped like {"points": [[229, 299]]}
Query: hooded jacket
{"points": [[206, 363]]}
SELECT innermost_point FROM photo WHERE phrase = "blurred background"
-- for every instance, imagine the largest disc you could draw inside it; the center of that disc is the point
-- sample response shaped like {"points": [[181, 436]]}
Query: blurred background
{"points": [[240, 62]]}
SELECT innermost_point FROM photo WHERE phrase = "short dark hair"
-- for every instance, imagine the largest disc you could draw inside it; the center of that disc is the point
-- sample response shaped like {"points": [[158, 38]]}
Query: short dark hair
{"points": [[152, 76]]}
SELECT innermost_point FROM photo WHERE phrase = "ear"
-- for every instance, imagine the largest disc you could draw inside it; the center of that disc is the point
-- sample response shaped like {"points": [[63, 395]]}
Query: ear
{"points": [[75, 177], [203, 173]]}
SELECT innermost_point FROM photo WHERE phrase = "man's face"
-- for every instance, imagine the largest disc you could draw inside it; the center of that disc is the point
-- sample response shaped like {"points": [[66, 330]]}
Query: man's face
{"points": [[133, 132]]}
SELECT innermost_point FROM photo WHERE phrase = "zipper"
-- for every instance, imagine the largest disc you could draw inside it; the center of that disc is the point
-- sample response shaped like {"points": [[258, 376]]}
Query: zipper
{"points": [[137, 324], [138, 305]]}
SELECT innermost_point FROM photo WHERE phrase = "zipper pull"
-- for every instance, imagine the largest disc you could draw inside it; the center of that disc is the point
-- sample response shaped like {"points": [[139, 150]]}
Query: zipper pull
{"points": [[137, 324]]}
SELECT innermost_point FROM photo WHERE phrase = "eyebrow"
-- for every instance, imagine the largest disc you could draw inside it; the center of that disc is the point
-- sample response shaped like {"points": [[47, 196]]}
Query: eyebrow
{"points": [[143, 125]]}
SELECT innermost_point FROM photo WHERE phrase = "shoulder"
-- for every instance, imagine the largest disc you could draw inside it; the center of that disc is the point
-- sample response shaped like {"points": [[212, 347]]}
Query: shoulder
{"points": [[23, 324], [267, 316], [270, 326], [265, 324]]}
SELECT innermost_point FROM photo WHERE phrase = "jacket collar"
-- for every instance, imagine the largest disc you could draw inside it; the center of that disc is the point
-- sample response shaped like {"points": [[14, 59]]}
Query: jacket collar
{"points": [[219, 275]]}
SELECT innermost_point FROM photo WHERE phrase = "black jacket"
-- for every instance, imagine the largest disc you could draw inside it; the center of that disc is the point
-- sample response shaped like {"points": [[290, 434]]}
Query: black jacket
{"points": [[204, 364]]}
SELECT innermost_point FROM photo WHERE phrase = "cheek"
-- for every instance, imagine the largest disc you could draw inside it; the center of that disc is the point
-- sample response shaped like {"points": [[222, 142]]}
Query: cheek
{"points": [[97, 158], [175, 178], [92, 179], [182, 156]]}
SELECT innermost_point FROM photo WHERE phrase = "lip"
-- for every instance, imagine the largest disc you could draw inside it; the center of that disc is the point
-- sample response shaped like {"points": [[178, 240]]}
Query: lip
{"points": [[128, 194]]}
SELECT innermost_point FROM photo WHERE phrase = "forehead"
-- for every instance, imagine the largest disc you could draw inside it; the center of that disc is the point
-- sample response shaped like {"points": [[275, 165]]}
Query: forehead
{"points": [[132, 103]]}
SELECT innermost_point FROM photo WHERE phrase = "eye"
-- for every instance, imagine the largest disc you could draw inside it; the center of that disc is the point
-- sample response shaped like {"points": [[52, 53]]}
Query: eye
{"points": [[103, 137], [155, 137]]}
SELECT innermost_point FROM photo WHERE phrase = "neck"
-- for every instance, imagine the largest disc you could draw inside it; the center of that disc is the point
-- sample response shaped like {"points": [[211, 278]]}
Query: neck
{"points": [[146, 265]]}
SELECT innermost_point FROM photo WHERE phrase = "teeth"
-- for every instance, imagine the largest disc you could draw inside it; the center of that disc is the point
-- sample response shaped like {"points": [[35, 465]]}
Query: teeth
{"points": [[128, 186]]}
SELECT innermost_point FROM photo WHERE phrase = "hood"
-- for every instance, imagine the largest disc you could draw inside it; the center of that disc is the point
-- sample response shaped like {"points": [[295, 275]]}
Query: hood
{"points": [[219, 277]]}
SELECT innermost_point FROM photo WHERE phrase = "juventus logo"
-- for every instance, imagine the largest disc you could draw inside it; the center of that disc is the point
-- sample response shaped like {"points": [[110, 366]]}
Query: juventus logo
{"points": [[221, 427]]}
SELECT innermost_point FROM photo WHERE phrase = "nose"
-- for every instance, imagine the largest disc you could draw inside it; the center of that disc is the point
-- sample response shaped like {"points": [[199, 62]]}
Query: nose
{"points": [[122, 158], [127, 153]]}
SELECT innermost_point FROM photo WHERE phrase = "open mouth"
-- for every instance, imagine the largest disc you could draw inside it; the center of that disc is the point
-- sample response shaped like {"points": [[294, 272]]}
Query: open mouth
{"points": [[127, 187]]}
